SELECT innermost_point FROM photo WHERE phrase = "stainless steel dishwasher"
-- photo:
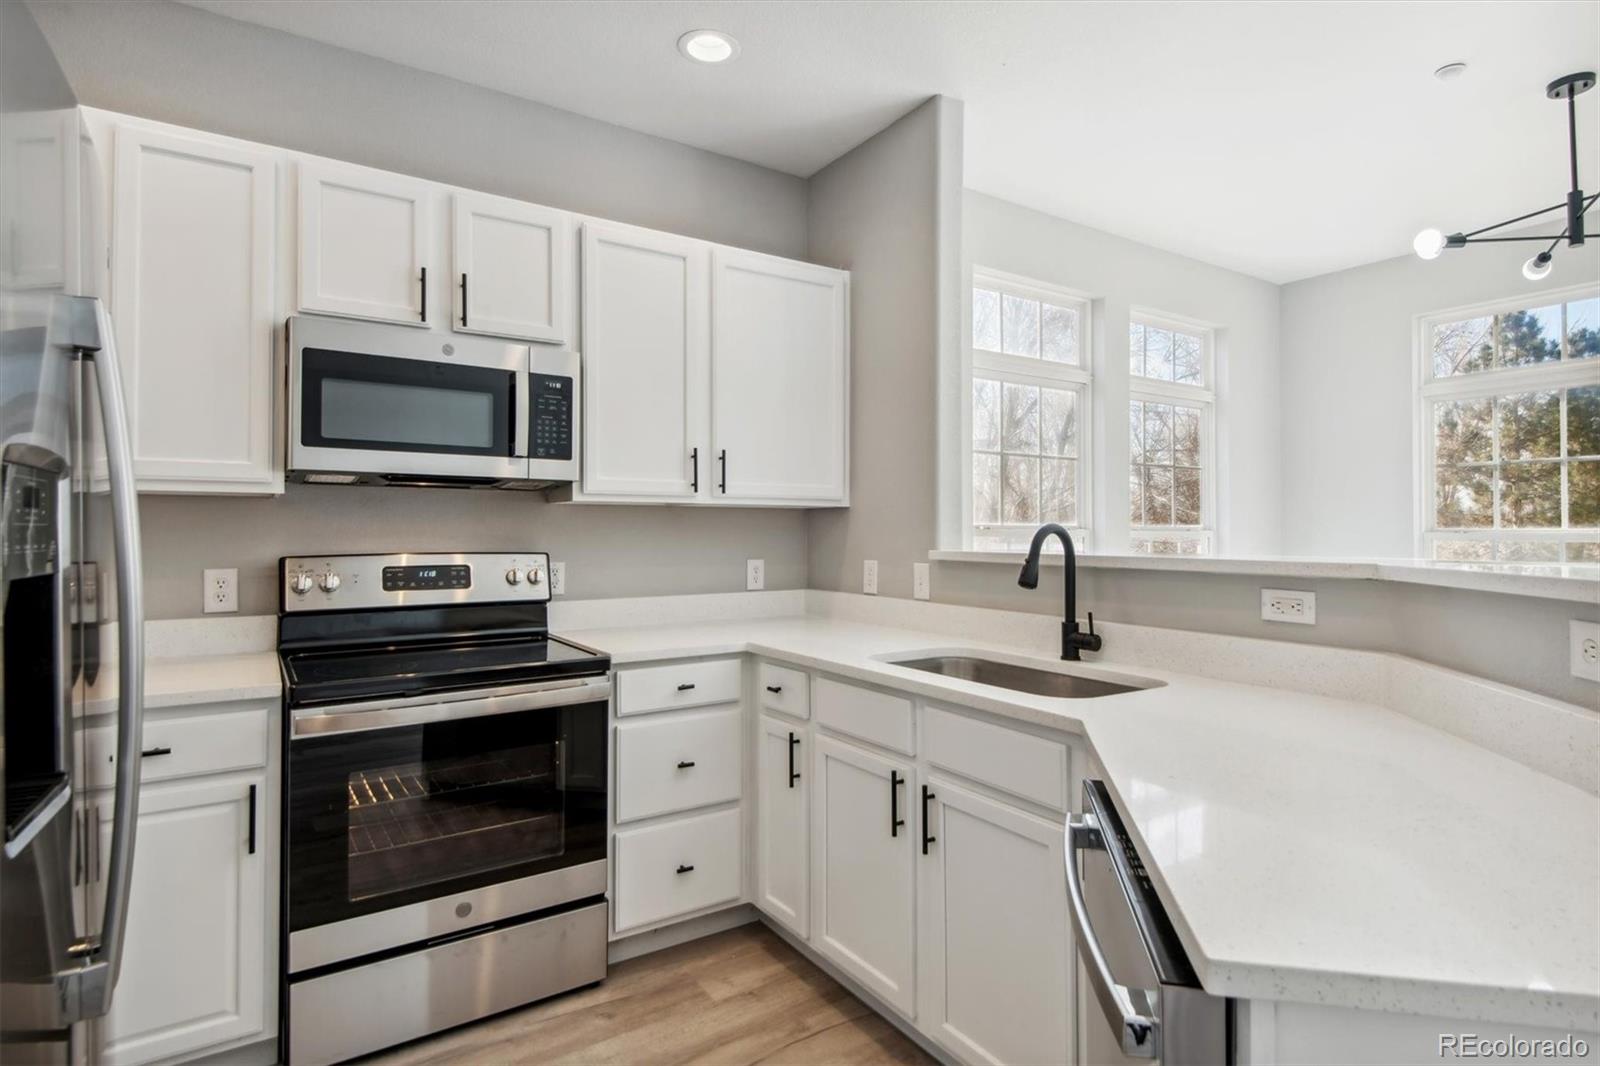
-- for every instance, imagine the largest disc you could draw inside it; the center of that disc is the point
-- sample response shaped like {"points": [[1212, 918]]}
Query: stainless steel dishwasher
{"points": [[1143, 1001]]}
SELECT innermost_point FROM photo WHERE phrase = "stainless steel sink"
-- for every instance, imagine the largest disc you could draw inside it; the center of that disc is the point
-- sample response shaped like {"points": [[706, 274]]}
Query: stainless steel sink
{"points": [[1017, 678]]}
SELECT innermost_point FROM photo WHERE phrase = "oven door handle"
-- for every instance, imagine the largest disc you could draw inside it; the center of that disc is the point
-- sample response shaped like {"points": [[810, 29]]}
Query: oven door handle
{"points": [[379, 714]]}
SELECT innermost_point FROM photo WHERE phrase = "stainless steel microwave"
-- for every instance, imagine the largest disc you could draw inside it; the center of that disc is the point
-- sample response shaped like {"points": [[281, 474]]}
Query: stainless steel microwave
{"points": [[374, 404]]}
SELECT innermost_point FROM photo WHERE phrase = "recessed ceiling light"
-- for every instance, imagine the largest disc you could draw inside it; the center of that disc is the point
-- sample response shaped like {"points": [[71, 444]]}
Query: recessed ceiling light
{"points": [[1450, 71], [708, 46]]}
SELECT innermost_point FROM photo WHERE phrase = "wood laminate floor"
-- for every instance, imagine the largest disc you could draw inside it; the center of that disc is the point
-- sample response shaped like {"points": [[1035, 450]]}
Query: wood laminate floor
{"points": [[739, 997]]}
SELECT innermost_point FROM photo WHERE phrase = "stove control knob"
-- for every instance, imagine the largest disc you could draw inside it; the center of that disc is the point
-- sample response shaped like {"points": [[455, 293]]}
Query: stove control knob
{"points": [[535, 575], [513, 577], [329, 581], [301, 583]]}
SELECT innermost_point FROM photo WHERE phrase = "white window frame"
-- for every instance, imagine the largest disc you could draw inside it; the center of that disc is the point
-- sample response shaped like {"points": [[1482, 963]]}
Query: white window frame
{"points": [[1202, 396], [1428, 390], [1023, 370]]}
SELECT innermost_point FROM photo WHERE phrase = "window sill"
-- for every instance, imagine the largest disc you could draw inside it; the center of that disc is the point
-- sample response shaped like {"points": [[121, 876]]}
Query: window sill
{"points": [[1574, 583]]}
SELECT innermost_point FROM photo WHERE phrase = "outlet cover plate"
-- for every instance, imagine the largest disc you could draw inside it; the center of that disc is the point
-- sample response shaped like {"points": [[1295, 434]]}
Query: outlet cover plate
{"points": [[869, 576], [1288, 605], [220, 591], [558, 579], [919, 581], [1586, 650], [755, 575]]}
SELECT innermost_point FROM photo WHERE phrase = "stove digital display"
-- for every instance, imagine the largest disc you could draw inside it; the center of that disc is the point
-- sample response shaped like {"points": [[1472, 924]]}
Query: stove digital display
{"points": [[412, 578]]}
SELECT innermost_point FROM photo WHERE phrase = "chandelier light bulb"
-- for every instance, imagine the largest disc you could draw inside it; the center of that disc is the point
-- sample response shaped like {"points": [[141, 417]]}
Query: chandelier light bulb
{"points": [[1429, 243], [1537, 268]]}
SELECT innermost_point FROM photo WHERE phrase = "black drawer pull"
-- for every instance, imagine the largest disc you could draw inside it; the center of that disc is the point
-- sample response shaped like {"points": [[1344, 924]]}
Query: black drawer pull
{"points": [[685, 764], [927, 837], [151, 753], [722, 457], [686, 686], [794, 742], [774, 689], [895, 821], [694, 482], [685, 869], [252, 819]]}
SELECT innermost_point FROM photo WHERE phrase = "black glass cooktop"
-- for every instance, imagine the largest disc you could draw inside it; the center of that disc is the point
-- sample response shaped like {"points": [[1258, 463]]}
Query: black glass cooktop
{"points": [[374, 671]]}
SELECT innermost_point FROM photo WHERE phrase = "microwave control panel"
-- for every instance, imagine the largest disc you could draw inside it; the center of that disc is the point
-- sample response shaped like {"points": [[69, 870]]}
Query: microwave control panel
{"points": [[550, 436]]}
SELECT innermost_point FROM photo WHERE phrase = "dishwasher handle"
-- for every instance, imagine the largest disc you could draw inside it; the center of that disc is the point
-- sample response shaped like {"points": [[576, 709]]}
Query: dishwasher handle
{"points": [[1139, 1034]]}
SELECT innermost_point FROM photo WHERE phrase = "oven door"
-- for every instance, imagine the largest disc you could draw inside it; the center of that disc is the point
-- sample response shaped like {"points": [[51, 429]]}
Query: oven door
{"points": [[419, 819], [397, 405]]}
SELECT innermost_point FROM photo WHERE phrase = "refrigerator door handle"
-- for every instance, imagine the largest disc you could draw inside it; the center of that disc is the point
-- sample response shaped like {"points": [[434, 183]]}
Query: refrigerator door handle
{"points": [[91, 334]]}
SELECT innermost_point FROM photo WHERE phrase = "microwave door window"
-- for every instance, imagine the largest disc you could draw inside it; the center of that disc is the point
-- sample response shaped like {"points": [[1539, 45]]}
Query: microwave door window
{"points": [[407, 415]]}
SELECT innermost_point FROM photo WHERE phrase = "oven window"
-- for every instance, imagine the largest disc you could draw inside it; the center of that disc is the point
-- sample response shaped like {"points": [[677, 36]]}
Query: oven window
{"points": [[388, 817], [406, 414], [381, 403]]}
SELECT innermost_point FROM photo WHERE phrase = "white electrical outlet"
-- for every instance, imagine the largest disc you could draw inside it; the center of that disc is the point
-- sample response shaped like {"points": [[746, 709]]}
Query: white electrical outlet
{"points": [[1586, 650], [869, 576], [919, 580], [221, 591], [755, 574], [1285, 605], [558, 579]]}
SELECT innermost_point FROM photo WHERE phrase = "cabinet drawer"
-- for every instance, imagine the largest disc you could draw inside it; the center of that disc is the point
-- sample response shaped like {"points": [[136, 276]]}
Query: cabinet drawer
{"points": [[661, 688], [876, 716], [784, 690], [181, 747], [676, 867], [1019, 763], [652, 753]]}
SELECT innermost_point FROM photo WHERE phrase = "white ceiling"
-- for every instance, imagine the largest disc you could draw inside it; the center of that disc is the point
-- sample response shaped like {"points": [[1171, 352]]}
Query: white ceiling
{"points": [[1282, 140]]}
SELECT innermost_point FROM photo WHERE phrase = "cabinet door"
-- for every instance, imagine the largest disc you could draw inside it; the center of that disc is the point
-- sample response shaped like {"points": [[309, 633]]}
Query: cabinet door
{"points": [[783, 834], [192, 297], [779, 337], [512, 268], [645, 335], [194, 971], [363, 244], [994, 948], [38, 200], [864, 868]]}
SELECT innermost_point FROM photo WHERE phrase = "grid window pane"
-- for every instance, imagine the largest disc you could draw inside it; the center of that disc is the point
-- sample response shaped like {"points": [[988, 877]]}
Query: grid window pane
{"points": [[1583, 493], [1529, 551], [1019, 489], [985, 414], [1583, 328], [1187, 359], [1158, 495], [985, 488], [1058, 422], [1166, 479], [1136, 349], [1158, 433], [1019, 328], [1530, 495], [1530, 425], [1158, 353], [1059, 334], [1186, 437], [1058, 490], [1185, 496], [1136, 496], [1463, 497], [1454, 550], [1020, 425], [1583, 420], [1463, 347], [1583, 551], [1464, 432], [1530, 337], [986, 319]]}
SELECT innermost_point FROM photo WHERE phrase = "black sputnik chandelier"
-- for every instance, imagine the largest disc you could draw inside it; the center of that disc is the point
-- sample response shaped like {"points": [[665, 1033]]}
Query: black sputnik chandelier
{"points": [[1430, 243]]}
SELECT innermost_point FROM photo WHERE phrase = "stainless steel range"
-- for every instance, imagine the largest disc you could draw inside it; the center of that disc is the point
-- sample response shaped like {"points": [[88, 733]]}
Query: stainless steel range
{"points": [[445, 845]]}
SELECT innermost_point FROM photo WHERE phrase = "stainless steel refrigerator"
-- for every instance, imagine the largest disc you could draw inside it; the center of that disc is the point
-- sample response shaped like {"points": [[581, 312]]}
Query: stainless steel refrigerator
{"points": [[70, 618]]}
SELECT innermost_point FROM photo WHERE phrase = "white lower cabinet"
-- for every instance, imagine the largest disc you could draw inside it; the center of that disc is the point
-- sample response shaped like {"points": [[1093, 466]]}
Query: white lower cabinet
{"points": [[196, 964], [783, 839], [864, 868], [994, 949]]}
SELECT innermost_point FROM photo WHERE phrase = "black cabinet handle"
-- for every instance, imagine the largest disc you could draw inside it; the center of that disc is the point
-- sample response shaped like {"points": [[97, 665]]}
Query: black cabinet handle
{"points": [[463, 299], [722, 457], [794, 742], [774, 689], [252, 848], [424, 284], [686, 686], [682, 869], [694, 479], [927, 837], [685, 764], [151, 753], [895, 821]]}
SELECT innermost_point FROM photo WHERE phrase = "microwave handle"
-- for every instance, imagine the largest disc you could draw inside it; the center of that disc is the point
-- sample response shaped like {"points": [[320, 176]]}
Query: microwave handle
{"points": [[522, 401], [1138, 1034]]}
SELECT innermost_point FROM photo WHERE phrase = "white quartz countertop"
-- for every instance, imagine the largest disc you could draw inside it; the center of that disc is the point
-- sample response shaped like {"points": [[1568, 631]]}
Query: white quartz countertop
{"points": [[1309, 848], [192, 680]]}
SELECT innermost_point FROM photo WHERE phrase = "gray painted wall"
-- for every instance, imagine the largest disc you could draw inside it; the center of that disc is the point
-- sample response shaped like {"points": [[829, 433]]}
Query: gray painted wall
{"points": [[878, 211], [177, 64]]}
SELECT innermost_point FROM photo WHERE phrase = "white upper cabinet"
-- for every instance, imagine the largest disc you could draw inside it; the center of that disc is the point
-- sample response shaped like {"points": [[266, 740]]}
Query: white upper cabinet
{"points": [[194, 253], [645, 340], [38, 183], [779, 377], [364, 241], [513, 265]]}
